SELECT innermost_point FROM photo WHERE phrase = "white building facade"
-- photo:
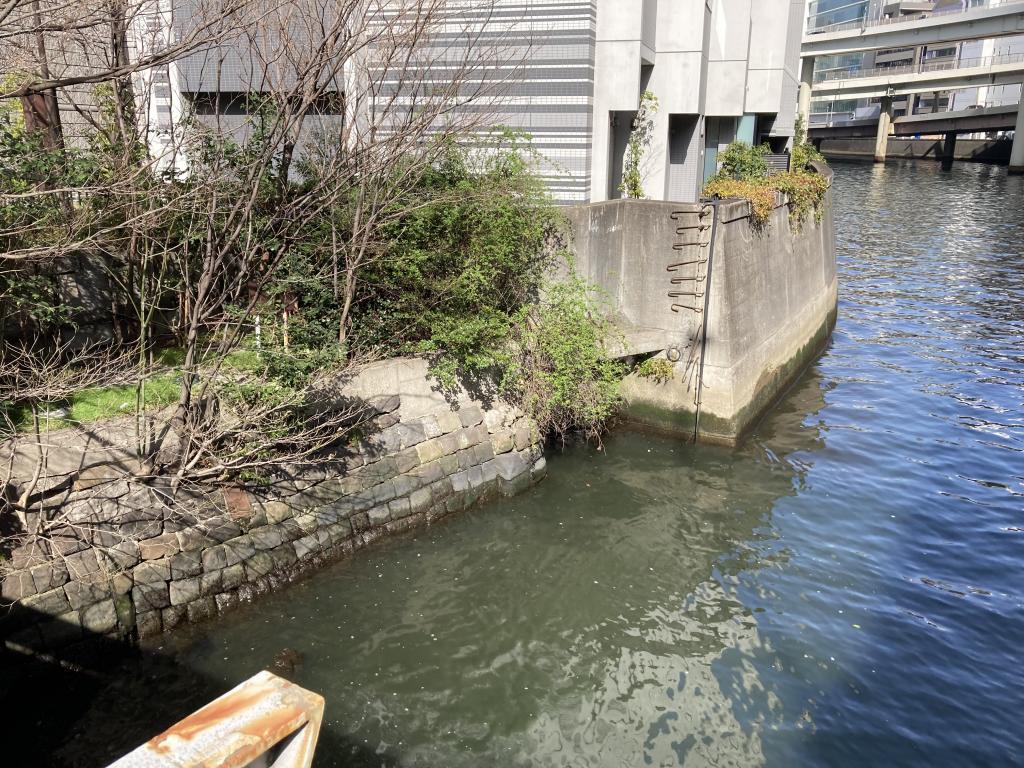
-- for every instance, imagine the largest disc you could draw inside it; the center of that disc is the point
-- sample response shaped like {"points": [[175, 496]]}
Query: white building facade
{"points": [[720, 69]]}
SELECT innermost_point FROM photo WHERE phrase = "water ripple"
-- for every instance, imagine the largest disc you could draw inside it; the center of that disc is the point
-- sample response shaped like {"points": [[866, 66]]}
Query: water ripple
{"points": [[846, 589]]}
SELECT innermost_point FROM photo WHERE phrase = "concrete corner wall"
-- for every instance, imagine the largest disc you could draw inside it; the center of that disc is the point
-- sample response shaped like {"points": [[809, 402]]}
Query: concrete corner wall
{"points": [[623, 248], [774, 293], [772, 307]]}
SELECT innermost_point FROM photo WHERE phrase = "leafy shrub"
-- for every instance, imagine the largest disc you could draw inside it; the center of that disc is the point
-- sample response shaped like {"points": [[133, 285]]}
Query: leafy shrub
{"points": [[804, 152], [557, 368], [741, 161], [462, 263], [760, 195], [658, 369], [805, 192], [744, 175]]}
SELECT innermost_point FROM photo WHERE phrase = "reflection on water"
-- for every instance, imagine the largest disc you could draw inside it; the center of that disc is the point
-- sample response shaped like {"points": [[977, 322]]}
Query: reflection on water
{"points": [[845, 589]]}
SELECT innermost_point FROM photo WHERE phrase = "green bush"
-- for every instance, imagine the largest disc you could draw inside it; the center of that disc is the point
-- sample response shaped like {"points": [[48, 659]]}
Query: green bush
{"points": [[743, 162], [804, 152], [744, 175], [461, 264], [557, 367]]}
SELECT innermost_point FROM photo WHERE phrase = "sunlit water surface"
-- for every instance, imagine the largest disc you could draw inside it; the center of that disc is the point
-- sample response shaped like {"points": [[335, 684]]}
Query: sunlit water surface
{"points": [[845, 589]]}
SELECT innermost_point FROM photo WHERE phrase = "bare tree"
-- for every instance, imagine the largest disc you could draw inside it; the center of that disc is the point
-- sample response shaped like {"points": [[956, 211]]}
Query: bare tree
{"points": [[302, 116]]}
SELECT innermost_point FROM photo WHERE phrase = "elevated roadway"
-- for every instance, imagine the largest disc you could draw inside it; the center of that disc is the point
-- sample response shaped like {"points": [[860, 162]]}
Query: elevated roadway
{"points": [[921, 78], [997, 18], [961, 121]]}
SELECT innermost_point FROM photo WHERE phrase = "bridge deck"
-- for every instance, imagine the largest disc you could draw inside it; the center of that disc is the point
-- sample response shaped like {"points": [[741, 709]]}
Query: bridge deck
{"points": [[960, 121], [924, 78]]}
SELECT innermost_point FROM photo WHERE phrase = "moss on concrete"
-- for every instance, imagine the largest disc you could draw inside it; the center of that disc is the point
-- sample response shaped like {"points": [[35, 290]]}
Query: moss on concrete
{"points": [[720, 430], [773, 384]]}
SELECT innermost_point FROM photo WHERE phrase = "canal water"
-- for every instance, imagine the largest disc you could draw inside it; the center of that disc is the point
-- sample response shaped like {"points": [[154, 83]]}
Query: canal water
{"points": [[845, 589]]}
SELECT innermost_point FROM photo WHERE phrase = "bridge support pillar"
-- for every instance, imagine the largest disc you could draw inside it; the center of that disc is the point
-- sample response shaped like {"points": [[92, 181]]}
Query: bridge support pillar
{"points": [[884, 126], [948, 150], [1017, 148], [806, 81]]}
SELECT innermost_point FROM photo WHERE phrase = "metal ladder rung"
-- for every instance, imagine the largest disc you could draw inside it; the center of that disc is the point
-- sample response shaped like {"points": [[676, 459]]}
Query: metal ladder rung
{"points": [[698, 310], [704, 212], [681, 229], [673, 267]]}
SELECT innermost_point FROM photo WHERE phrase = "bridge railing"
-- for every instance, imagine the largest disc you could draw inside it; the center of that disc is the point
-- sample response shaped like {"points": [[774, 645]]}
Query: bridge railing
{"points": [[826, 118], [266, 722], [919, 68], [866, 23]]}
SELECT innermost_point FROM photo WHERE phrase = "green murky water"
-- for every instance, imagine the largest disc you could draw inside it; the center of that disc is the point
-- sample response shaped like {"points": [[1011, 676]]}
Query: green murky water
{"points": [[844, 589]]}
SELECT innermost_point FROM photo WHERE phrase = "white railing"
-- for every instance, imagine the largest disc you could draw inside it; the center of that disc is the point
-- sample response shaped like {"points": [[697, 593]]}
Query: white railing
{"points": [[854, 73], [266, 722], [866, 23], [826, 119]]}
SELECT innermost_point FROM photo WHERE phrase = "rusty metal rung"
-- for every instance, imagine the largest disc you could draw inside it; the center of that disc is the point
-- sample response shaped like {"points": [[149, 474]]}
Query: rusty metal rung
{"points": [[698, 310], [695, 294], [705, 210], [674, 267], [678, 280], [681, 246], [701, 226]]}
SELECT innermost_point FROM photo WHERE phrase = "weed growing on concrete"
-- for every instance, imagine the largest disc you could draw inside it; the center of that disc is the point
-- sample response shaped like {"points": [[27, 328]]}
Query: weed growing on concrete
{"points": [[657, 369], [745, 175], [639, 140]]}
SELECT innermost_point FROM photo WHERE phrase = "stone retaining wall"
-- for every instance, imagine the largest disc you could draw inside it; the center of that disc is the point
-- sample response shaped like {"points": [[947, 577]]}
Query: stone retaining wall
{"points": [[132, 564]]}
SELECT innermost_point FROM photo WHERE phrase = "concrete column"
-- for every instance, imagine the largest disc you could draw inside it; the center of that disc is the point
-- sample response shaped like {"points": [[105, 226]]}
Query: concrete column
{"points": [[806, 81], [884, 125], [1017, 148], [948, 150]]}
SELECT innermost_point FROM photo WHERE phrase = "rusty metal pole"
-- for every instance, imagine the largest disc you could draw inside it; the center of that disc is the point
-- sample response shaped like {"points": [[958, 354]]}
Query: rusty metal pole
{"points": [[265, 717]]}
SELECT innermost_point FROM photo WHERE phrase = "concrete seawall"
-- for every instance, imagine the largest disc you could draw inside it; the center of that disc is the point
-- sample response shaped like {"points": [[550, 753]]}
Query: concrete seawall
{"points": [[970, 150], [770, 312]]}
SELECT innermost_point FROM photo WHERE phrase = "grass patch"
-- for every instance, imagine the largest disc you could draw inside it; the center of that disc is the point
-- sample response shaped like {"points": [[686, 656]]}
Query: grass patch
{"points": [[100, 403], [97, 404]]}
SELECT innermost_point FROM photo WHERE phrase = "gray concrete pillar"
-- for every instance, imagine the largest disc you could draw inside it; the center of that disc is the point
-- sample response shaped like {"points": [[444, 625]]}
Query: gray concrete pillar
{"points": [[948, 150], [1017, 148], [806, 82], [884, 125]]}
